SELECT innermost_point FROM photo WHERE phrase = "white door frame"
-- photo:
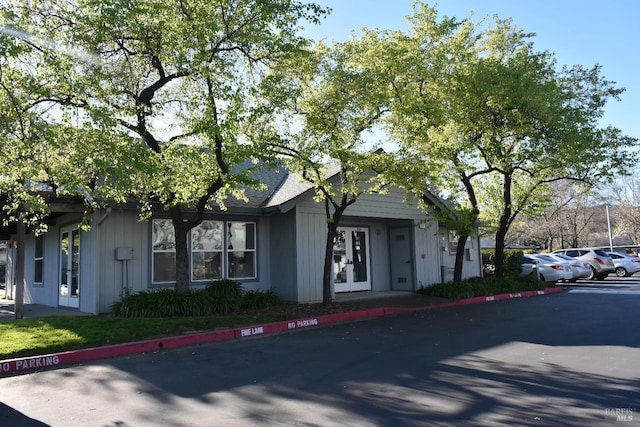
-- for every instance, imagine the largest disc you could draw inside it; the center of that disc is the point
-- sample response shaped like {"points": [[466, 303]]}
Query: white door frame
{"points": [[351, 260], [69, 271]]}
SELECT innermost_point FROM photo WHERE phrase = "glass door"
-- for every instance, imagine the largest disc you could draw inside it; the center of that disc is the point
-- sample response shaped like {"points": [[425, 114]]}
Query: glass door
{"points": [[69, 290], [351, 260]]}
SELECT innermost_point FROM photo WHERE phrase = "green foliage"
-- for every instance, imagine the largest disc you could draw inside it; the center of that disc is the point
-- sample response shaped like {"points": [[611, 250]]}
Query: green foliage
{"points": [[163, 303], [484, 286], [512, 261], [120, 95], [226, 295], [219, 297], [261, 299]]}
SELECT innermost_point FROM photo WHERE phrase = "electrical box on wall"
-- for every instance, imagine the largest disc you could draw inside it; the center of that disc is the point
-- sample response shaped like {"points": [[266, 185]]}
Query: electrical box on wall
{"points": [[124, 253]]}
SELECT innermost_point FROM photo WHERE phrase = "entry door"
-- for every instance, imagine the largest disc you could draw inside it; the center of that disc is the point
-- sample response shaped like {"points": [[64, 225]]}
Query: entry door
{"points": [[401, 259], [351, 270], [69, 290]]}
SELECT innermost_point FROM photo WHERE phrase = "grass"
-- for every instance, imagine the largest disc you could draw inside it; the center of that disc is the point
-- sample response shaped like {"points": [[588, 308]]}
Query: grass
{"points": [[29, 337]]}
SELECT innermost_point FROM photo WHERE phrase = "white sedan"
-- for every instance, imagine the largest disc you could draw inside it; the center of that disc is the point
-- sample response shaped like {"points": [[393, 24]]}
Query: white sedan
{"points": [[625, 264]]}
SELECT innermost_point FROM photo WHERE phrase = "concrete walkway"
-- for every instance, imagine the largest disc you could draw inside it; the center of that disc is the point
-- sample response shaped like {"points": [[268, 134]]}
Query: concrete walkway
{"points": [[29, 311]]}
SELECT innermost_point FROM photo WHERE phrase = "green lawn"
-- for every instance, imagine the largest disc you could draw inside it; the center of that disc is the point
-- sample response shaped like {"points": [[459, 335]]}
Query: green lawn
{"points": [[28, 337]]}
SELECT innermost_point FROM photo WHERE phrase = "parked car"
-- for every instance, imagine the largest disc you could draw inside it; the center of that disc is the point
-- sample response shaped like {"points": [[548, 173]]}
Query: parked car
{"points": [[600, 262], [548, 269], [625, 264], [580, 268]]}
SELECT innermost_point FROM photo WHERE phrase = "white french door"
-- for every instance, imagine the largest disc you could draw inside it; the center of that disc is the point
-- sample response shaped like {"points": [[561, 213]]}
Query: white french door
{"points": [[69, 289], [351, 271]]}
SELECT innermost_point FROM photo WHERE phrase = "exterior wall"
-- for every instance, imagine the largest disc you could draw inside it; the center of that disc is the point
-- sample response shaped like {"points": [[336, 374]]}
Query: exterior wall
{"points": [[310, 244], [290, 251], [471, 266], [124, 229], [47, 292], [121, 229], [427, 253], [376, 212], [283, 255]]}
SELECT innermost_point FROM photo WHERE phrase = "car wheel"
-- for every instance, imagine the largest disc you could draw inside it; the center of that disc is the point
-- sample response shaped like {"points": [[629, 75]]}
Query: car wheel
{"points": [[621, 272], [601, 276], [592, 275], [542, 277]]}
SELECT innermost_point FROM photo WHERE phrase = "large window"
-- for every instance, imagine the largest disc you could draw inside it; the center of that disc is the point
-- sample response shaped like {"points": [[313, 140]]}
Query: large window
{"points": [[218, 250], [38, 259]]}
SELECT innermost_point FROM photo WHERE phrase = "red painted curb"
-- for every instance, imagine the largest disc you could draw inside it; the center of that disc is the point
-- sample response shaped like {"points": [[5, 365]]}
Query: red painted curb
{"points": [[55, 360]]}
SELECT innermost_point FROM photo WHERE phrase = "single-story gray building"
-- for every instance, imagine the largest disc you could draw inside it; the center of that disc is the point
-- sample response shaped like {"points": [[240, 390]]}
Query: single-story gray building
{"points": [[276, 240]]}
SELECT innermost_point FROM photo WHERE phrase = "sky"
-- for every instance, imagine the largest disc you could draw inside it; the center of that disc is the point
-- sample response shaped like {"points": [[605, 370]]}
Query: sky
{"points": [[585, 32]]}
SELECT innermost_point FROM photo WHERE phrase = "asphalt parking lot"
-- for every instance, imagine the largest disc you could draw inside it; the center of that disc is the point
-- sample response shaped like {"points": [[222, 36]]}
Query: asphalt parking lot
{"points": [[563, 359]]}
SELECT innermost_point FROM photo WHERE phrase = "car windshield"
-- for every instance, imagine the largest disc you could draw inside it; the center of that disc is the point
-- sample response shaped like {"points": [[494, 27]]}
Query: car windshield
{"points": [[601, 252]]}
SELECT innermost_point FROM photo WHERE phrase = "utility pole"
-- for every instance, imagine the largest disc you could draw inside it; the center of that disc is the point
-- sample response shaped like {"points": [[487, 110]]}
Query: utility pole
{"points": [[609, 228]]}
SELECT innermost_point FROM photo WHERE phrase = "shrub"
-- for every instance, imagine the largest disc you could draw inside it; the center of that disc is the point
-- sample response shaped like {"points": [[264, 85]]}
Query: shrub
{"points": [[225, 294], [163, 303], [512, 261], [484, 286], [261, 299]]}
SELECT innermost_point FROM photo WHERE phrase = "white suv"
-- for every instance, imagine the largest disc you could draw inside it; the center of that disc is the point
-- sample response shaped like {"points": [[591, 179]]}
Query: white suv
{"points": [[600, 262]]}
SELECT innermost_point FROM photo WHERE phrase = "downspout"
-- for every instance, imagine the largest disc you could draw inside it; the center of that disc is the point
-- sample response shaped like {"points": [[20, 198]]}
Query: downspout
{"points": [[105, 216]]}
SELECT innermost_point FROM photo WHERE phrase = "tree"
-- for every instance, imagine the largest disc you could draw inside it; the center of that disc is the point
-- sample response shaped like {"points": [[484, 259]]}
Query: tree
{"points": [[500, 122], [324, 103], [36, 158], [168, 83], [626, 195]]}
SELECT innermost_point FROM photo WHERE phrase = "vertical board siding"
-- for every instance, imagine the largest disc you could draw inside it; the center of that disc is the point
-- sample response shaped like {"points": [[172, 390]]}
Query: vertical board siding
{"points": [[122, 229], [311, 240], [427, 253], [283, 256]]}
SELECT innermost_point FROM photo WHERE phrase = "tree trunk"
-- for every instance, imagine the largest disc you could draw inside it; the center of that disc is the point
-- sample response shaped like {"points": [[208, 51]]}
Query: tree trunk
{"points": [[332, 232], [457, 271], [182, 251], [499, 251], [503, 225]]}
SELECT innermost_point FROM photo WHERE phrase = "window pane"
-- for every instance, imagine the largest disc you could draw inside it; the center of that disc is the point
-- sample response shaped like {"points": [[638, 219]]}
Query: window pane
{"points": [[206, 265], [250, 236], [207, 236], [237, 236], [39, 245], [163, 235], [241, 235], [241, 265], [164, 267], [38, 259], [38, 271]]}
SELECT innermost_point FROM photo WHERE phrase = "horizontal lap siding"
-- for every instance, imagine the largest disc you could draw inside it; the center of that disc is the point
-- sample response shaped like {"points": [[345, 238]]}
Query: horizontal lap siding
{"points": [[391, 205]]}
